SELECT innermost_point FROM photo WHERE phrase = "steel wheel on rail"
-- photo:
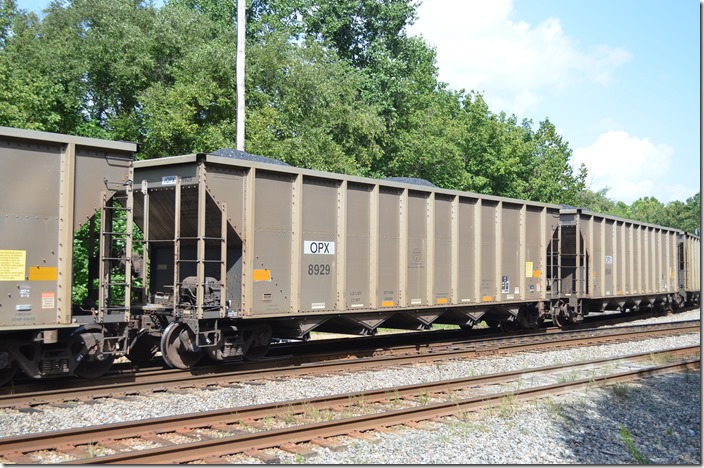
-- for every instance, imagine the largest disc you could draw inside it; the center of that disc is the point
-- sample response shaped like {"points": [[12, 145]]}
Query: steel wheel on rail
{"points": [[561, 315], [7, 374], [7, 368], [94, 368], [89, 361], [257, 341], [143, 348], [559, 320], [178, 346]]}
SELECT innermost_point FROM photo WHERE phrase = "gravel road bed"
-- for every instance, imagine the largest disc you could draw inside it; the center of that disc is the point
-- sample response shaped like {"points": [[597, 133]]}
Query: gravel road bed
{"points": [[655, 420]]}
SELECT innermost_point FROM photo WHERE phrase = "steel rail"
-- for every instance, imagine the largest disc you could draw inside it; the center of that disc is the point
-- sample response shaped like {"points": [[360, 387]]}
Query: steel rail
{"points": [[154, 380], [209, 449], [87, 435]]}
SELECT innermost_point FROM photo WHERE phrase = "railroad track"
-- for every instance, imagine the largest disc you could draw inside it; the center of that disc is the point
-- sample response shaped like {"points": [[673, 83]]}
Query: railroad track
{"points": [[316, 350], [213, 435], [174, 380]]}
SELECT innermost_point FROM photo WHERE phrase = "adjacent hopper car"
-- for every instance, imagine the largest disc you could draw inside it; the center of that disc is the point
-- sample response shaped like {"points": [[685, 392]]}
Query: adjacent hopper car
{"points": [[208, 255]]}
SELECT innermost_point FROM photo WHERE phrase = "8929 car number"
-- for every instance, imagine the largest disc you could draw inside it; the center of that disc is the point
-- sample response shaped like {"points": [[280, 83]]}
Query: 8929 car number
{"points": [[318, 269]]}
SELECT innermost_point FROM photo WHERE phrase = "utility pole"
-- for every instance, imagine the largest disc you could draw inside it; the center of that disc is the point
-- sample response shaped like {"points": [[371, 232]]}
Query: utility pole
{"points": [[241, 38]]}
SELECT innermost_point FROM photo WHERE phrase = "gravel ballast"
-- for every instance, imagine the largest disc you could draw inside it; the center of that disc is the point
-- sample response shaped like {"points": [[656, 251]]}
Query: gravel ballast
{"points": [[654, 420]]}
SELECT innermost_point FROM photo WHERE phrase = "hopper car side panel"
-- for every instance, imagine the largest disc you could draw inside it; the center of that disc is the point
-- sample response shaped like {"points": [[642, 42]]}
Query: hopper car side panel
{"points": [[611, 263], [690, 265], [50, 186], [355, 252]]}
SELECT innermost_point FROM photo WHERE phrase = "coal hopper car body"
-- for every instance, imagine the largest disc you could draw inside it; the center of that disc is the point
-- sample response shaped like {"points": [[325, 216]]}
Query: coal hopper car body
{"points": [[207, 255], [241, 251]]}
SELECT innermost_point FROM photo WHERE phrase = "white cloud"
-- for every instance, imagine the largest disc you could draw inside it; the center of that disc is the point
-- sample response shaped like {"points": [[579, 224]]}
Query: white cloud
{"points": [[479, 47], [631, 167]]}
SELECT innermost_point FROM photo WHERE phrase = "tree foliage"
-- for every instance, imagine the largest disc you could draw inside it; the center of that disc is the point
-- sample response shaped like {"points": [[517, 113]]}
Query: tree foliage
{"points": [[334, 85], [677, 214]]}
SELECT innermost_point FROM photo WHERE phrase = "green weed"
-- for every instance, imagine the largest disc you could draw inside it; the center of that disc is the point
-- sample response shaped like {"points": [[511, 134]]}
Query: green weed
{"points": [[627, 439], [620, 390], [555, 407], [660, 358], [508, 406]]}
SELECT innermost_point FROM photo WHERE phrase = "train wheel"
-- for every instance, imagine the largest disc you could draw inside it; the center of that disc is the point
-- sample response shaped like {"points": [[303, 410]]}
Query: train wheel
{"points": [[7, 374], [528, 318], [8, 370], [659, 309], [178, 346], [143, 349], [94, 368], [558, 319], [85, 347], [259, 339], [539, 322]]}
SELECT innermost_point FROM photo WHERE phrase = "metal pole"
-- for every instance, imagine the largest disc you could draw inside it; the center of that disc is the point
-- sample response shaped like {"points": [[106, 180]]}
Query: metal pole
{"points": [[241, 29]]}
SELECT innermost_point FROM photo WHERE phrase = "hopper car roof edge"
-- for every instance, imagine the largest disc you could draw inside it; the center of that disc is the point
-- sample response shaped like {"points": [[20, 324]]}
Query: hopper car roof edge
{"points": [[48, 137], [588, 212], [195, 157]]}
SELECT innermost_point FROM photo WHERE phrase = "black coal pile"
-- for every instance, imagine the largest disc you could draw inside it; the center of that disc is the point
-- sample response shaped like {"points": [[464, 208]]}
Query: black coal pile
{"points": [[237, 154], [412, 180]]}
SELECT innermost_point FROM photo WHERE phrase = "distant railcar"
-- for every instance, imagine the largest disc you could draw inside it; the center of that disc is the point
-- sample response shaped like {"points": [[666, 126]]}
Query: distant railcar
{"points": [[689, 267], [601, 262]]}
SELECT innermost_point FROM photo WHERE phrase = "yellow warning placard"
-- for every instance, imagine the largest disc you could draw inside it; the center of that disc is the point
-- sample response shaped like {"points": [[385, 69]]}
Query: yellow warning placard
{"points": [[12, 265], [529, 269]]}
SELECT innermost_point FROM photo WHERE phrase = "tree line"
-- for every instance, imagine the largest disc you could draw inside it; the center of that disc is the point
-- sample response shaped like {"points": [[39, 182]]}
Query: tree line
{"points": [[334, 85]]}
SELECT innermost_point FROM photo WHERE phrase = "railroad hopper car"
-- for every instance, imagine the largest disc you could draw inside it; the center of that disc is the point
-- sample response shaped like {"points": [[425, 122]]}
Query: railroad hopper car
{"points": [[689, 268], [207, 255], [50, 185], [600, 262], [240, 252]]}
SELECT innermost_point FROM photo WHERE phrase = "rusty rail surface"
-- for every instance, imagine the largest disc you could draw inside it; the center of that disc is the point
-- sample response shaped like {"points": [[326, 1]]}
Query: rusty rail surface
{"points": [[164, 380], [298, 434], [15, 448]]}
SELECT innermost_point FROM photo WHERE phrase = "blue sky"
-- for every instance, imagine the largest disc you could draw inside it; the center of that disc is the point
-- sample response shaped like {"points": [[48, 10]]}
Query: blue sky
{"points": [[620, 79]]}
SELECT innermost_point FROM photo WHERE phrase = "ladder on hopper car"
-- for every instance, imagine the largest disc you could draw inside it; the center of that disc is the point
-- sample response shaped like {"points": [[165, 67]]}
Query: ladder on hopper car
{"points": [[115, 255], [210, 250]]}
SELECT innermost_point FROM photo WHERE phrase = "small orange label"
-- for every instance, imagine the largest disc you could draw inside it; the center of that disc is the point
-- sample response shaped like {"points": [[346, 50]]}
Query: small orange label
{"points": [[487, 298], [261, 275], [442, 300], [37, 273], [387, 303]]}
